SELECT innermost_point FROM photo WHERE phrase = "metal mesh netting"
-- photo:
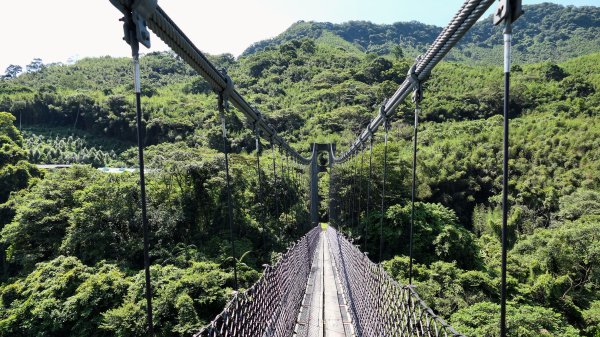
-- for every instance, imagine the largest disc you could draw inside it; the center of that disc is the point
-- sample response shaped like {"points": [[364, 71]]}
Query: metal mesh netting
{"points": [[379, 305], [270, 307]]}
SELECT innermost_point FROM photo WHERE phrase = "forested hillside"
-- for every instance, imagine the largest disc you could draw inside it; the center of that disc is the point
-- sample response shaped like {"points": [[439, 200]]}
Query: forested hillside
{"points": [[548, 32], [70, 240]]}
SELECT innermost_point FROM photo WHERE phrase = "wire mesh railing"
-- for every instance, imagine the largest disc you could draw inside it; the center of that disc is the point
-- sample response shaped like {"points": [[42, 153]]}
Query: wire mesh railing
{"points": [[271, 306], [379, 305]]}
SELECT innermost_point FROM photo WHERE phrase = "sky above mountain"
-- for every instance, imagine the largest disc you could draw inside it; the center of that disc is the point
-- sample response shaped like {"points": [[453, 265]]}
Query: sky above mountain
{"points": [[58, 31]]}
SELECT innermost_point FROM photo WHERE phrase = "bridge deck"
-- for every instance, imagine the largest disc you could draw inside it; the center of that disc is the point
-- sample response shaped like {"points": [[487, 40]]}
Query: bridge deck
{"points": [[324, 312]]}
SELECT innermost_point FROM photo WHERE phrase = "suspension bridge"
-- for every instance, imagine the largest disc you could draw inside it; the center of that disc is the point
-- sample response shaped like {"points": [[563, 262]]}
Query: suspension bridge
{"points": [[323, 285]]}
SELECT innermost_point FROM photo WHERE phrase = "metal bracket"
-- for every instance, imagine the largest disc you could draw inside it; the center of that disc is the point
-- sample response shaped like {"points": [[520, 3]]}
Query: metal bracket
{"points": [[134, 21], [273, 136], [224, 100], [508, 10], [382, 108], [417, 95], [255, 124], [226, 92], [414, 78], [370, 131], [384, 115]]}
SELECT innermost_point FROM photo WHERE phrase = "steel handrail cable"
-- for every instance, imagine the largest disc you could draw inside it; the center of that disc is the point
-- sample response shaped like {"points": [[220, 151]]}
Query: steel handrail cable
{"points": [[401, 310], [270, 303]]}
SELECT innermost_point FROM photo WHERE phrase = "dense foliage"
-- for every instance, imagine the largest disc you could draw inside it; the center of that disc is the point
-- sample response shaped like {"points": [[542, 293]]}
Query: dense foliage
{"points": [[15, 170], [70, 240]]}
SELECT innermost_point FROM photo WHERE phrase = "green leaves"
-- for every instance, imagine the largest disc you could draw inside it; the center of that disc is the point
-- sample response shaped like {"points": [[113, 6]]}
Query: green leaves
{"points": [[15, 171], [522, 320], [65, 297], [41, 217]]}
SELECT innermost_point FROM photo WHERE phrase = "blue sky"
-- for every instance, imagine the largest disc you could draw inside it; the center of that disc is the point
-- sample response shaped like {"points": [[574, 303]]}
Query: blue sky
{"points": [[59, 30]]}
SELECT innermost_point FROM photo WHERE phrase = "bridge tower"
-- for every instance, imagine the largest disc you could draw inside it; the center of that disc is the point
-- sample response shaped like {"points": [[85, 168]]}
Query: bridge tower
{"points": [[317, 165]]}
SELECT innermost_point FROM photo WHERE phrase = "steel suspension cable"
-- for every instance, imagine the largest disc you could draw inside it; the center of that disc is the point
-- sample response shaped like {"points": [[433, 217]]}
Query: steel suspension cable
{"points": [[276, 194], [346, 198], [165, 28], [351, 192], [368, 219], [360, 183], [354, 197], [130, 30], [418, 96], [505, 170], [464, 19], [288, 187], [385, 143], [261, 203], [287, 166], [379, 288], [296, 175], [283, 189], [332, 188], [222, 107]]}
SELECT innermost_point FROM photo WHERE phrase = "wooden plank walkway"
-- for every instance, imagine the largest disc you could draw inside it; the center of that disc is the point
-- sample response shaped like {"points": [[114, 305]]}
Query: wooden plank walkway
{"points": [[324, 311]]}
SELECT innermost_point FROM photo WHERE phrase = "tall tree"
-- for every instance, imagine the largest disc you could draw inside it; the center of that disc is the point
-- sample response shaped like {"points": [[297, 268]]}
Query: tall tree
{"points": [[35, 65], [398, 52], [12, 71]]}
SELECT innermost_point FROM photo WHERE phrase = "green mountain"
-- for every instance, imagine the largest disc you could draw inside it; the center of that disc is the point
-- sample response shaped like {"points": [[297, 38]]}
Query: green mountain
{"points": [[70, 246], [546, 32]]}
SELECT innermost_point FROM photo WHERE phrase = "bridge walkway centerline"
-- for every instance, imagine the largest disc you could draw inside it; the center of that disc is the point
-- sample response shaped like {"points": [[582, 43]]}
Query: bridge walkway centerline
{"points": [[324, 311]]}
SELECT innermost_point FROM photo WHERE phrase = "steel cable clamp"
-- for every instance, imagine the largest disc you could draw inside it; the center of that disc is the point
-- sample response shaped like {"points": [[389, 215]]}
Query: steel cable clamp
{"points": [[414, 78], [384, 116], [227, 90]]}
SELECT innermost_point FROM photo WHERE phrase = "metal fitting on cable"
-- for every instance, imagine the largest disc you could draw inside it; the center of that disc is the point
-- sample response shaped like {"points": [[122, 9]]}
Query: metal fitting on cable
{"points": [[255, 123], [417, 95], [273, 137], [412, 73], [382, 109], [414, 78], [386, 121], [226, 92], [135, 21], [255, 127], [360, 143]]}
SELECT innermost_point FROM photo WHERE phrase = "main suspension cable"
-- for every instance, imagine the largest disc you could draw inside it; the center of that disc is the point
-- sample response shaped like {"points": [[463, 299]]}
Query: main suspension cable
{"points": [[464, 19]]}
